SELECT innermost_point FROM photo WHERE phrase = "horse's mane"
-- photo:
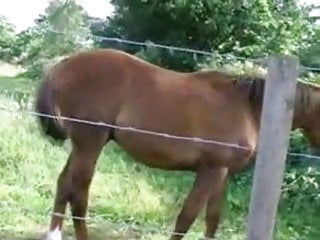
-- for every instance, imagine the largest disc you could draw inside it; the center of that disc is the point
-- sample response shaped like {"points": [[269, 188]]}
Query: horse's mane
{"points": [[253, 86]]}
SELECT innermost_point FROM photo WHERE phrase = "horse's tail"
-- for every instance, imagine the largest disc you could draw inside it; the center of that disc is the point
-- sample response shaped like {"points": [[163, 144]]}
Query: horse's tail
{"points": [[45, 108]]}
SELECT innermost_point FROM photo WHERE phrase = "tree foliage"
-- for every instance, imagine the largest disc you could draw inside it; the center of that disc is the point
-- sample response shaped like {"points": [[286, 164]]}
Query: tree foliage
{"points": [[7, 39], [246, 28], [310, 55], [63, 29]]}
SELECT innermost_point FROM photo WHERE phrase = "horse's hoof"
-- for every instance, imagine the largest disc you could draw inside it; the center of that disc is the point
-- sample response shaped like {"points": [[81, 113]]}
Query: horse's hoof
{"points": [[53, 235]]}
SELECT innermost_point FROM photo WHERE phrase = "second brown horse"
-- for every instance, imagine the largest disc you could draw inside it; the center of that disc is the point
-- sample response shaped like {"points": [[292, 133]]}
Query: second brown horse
{"points": [[117, 88]]}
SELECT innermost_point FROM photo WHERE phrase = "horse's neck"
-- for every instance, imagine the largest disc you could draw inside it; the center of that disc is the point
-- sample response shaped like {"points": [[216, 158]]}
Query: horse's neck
{"points": [[304, 106]]}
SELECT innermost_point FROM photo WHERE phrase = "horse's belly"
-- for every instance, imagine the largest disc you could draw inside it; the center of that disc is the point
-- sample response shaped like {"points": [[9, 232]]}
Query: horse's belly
{"points": [[159, 152]]}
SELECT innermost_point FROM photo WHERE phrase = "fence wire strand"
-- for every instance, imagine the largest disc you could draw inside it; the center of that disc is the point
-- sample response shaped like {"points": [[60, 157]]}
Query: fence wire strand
{"points": [[128, 128], [141, 229], [258, 60], [163, 46], [148, 132]]}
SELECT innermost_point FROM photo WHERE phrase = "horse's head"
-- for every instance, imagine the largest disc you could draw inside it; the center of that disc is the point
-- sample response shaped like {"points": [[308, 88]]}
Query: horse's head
{"points": [[309, 102]]}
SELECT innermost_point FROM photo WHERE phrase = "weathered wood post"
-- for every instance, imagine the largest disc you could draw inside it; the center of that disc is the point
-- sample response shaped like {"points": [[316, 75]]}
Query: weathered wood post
{"points": [[276, 122]]}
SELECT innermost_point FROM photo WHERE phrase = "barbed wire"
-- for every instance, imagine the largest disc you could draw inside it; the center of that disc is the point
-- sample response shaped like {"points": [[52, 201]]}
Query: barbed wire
{"points": [[172, 48], [129, 128], [149, 229], [137, 228], [144, 131], [311, 68], [258, 60], [163, 46], [304, 155]]}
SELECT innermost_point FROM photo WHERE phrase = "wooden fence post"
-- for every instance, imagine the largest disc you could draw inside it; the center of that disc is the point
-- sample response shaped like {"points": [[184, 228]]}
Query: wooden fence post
{"points": [[275, 126]]}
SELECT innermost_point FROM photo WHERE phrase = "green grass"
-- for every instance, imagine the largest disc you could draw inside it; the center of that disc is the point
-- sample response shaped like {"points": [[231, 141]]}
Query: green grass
{"points": [[127, 199], [15, 83]]}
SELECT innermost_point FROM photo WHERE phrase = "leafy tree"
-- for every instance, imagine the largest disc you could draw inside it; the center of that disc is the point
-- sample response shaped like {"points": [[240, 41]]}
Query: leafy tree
{"points": [[68, 18], [63, 29], [7, 39], [246, 28]]}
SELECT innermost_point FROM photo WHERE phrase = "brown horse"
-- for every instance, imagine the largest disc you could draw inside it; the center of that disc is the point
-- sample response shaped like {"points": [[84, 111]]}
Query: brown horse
{"points": [[117, 88]]}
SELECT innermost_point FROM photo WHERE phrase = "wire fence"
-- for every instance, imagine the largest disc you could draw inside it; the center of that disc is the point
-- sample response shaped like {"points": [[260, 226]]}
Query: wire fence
{"points": [[196, 140], [172, 48], [131, 129], [148, 132], [141, 229], [257, 60], [163, 46]]}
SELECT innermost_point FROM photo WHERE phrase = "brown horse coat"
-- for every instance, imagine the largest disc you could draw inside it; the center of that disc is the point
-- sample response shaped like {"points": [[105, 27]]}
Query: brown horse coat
{"points": [[117, 88]]}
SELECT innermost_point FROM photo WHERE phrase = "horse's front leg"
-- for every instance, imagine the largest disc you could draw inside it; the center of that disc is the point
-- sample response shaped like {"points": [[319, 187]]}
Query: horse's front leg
{"points": [[197, 198], [74, 181]]}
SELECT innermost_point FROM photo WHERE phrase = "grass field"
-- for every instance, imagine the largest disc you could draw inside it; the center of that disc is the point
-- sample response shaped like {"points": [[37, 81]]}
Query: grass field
{"points": [[127, 200]]}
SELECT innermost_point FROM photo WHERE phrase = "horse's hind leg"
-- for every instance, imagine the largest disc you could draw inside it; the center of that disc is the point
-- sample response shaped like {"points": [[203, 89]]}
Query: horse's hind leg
{"points": [[215, 202], [196, 199], [74, 181]]}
